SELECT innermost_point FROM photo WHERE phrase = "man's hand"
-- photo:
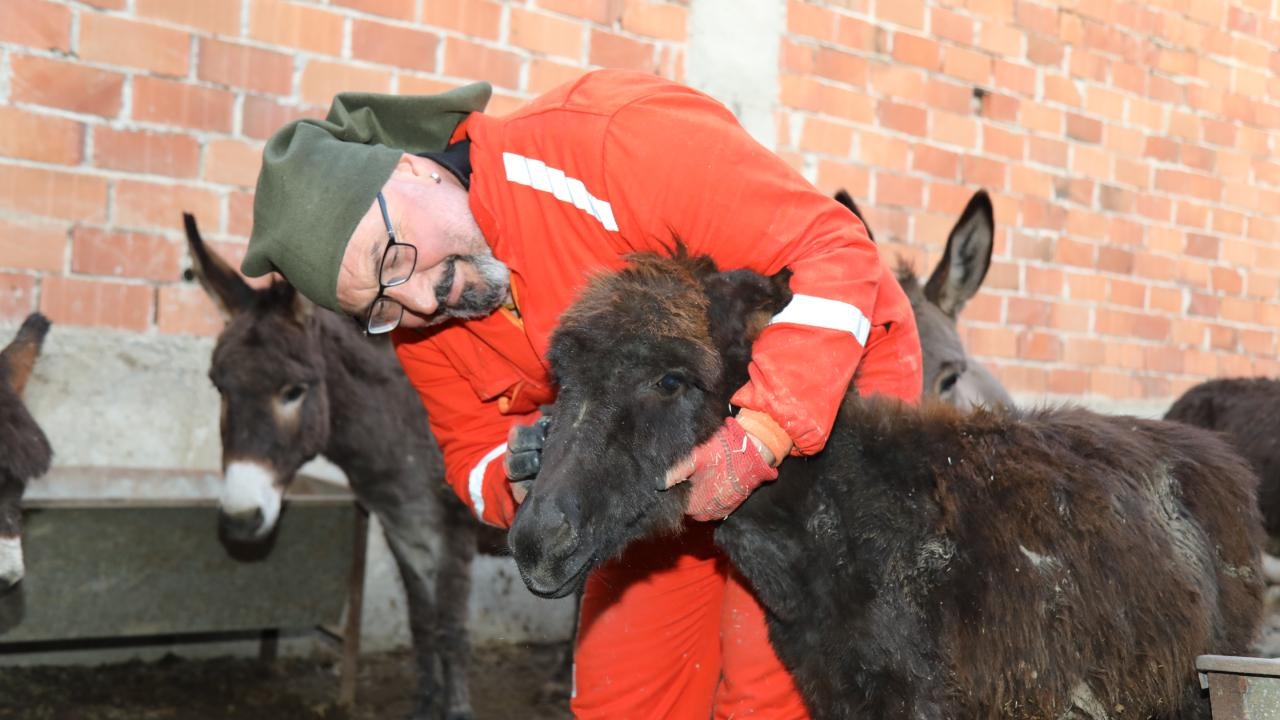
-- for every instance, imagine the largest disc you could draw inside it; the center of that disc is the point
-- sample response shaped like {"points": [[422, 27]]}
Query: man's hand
{"points": [[722, 472], [524, 455]]}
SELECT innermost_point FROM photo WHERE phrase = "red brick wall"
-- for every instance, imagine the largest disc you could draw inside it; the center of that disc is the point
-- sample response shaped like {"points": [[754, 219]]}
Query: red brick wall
{"points": [[1130, 150], [1127, 146], [117, 115]]}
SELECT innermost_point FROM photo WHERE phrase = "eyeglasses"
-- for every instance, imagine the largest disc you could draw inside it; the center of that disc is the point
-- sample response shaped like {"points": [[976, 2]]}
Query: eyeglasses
{"points": [[398, 261]]}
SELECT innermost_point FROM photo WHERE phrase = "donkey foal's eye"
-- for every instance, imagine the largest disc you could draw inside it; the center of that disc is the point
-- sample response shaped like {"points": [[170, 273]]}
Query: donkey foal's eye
{"points": [[291, 393], [670, 383]]}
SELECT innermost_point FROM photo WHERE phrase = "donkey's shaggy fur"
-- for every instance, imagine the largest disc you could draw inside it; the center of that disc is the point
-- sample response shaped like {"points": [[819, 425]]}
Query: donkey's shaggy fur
{"points": [[926, 564]]}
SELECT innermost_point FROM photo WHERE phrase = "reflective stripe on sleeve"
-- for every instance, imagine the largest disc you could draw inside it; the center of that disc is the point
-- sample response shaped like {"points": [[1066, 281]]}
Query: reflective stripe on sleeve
{"points": [[824, 313], [475, 481]]}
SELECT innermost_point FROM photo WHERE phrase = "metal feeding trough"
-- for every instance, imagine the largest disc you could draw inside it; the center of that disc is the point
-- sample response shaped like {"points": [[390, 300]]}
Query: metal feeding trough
{"points": [[1241, 688], [125, 553]]}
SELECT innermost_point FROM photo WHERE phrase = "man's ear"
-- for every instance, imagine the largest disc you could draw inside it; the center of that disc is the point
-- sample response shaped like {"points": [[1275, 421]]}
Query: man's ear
{"points": [[412, 166]]}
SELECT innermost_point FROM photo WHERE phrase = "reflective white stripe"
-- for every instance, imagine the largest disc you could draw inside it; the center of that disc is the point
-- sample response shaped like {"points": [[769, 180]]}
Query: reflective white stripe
{"points": [[540, 176], [475, 481], [821, 312]]}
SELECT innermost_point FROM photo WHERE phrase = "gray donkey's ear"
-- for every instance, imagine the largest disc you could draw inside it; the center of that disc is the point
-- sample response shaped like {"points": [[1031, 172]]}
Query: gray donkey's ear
{"points": [[224, 285], [965, 262]]}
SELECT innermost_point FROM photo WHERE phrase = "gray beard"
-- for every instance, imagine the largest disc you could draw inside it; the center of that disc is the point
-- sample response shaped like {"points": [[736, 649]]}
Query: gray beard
{"points": [[479, 298]]}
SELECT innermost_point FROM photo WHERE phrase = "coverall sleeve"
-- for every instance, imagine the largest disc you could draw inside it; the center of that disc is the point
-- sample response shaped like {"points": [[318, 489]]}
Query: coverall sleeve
{"points": [[472, 434], [679, 163]]}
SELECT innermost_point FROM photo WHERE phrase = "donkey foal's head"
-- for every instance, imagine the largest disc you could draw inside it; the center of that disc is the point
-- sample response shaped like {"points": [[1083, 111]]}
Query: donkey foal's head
{"points": [[646, 360], [24, 450]]}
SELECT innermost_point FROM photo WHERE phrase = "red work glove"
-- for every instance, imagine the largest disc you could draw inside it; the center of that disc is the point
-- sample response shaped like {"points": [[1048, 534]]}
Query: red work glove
{"points": [[722, 472]]}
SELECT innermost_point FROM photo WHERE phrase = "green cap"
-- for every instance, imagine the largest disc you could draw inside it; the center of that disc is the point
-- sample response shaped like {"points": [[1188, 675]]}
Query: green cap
{"points": [[319, 177]]}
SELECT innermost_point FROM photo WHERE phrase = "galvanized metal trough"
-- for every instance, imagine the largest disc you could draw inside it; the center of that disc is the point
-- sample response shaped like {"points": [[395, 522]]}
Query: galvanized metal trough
{"points": [[128, 553], [1241, 688]]}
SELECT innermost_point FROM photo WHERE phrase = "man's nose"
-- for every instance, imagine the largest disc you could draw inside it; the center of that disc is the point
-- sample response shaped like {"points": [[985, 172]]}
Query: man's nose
{"points": [[417, 294]]}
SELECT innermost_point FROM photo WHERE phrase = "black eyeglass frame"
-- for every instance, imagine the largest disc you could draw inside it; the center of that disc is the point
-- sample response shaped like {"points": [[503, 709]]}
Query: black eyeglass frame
{"points": [[382, 268]]}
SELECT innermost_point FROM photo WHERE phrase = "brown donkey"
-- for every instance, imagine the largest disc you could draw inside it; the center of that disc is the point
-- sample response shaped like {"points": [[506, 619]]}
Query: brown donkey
{"points": [[949, 372], [24, 450], [297, 381], [928, 563]]}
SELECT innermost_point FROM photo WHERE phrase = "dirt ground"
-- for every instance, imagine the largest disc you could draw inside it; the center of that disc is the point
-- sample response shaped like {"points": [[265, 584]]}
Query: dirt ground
{"points": [[506, 683]]}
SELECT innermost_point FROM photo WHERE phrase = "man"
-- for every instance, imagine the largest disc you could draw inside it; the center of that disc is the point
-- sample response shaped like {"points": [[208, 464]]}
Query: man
{"points": [[469, 234]]}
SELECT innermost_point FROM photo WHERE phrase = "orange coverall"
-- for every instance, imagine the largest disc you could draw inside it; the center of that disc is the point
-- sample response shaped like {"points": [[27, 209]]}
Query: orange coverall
{"points": [[615, 163]]}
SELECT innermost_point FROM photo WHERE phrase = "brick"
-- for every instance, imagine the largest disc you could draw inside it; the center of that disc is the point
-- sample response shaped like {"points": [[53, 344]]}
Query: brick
{"points": [[95, 251], [52, 193], [836, 175], [898, 190], [153, 205], [1061, 89], [908, 13], [187, 310], [467, 59], [857, 34], [35, 24], [897, 81], [1068, 382], [147, 152], [903, 118], [1032, 247], [32, 246], [261, 117], [883, 151], [812, 21], [17, 295], [1041, 118], [999, 107], [547, 34], [1204, 246], [949, 96], [245, 67], [305, 27], [38, 137], [853, 105], [1031, 182], [829, 138], [665, 21], [951, 26], [217, 18], [120, 41], [1183, 183], [600, 12], [473, 18], [1083, 128], [398, 9], [1001, 142], [321, 80], [1044, 52], [936, 162], [840, 66], [1036, 18], [1129, 77], [1040, 213], [232, 162], [982, 172], [954, 129], [1044, 347], [916, 50], [66, 85], [1001, 40], [1115, 260], [95, 303], [175, 103], [613, 50], [1088, 66], [546, 74], [967, 65]]}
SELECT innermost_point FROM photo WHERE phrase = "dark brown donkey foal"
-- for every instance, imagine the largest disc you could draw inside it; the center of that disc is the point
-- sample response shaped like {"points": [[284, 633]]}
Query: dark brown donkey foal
{"points": [[24, 450], [928, 563], [296, 382]]}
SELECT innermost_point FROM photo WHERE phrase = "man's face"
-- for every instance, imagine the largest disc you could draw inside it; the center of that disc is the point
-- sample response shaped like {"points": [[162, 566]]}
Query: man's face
{"points": [[455, 276]]}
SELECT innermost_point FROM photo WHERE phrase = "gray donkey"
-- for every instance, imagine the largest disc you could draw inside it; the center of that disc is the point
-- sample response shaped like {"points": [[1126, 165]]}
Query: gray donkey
{"points": [[297, 381], [949, 372]]}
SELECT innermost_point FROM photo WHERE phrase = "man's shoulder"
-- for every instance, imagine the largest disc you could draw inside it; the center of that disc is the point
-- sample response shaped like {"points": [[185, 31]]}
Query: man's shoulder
{"points": [[604, 92]]}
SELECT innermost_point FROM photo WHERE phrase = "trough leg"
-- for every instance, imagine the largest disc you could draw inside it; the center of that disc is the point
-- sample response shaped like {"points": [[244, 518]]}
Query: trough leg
{"points": [[355, 610]]}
